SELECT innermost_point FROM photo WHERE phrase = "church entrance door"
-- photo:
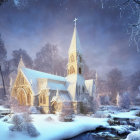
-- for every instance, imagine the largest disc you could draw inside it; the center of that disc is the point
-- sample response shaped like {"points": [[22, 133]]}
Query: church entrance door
{"points": [[22, 98]]}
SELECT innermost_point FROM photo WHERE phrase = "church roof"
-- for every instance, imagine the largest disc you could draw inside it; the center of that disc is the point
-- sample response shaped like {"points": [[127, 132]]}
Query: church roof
{"points": [[33, 76], [61, 97], [75, 42], [56, 86]]}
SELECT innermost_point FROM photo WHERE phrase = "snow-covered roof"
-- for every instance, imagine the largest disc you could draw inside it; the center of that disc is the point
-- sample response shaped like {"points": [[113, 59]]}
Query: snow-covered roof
{"points": [[75, 43], [33, 76], [61, 97], [75, 78], [56, 86], [90, 85]]}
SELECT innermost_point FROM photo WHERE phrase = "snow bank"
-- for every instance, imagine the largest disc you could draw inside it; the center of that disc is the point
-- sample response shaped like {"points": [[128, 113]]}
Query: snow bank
{"points": [[125, 115], [54, 130], [134, 135], [61, 130], [3, 108]]}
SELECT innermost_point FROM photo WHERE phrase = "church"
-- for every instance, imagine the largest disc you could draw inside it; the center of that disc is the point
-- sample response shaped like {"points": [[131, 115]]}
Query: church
{"points": [[50, 92]]}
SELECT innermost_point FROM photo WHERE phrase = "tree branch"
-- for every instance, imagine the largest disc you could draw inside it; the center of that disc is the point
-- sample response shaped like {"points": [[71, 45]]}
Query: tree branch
{"points": [[137, 1]]}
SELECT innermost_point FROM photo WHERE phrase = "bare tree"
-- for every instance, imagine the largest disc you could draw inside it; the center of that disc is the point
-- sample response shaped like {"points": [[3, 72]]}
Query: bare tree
{"points": [[114, 82], [123, 100], [129, 9], [3, 52], [49, 60], [3, 56], [2, 1], [135, 81], [17, 54]]}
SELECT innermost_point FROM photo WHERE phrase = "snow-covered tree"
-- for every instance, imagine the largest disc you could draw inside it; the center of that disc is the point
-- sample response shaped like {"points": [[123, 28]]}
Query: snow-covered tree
{"points": [[22, 122], [114, 82], [123, 100], [17, 54], [95, 104], [49, 60], [17, 121]]}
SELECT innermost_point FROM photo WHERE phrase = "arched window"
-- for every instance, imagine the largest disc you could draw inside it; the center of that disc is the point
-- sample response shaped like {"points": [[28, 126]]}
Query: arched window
{"points": [[44, 99], [72, 70], [72, 58], [79, 70], [28, 98], [23, 99], [40, 99]]}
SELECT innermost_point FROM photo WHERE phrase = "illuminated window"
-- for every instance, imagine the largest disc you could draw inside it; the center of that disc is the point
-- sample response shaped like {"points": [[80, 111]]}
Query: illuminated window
{"points": [[28, 98], [40, 99], [44, 99], [72, 70], [72, 58]]}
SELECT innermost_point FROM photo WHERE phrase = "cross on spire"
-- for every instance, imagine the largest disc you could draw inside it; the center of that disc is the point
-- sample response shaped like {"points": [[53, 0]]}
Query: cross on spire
{"points": [[75, 21]]}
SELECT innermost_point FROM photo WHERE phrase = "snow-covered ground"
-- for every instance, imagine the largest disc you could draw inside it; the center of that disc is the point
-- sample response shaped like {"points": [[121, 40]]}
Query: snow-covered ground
{"points": [[3, 108], [55, 130], [134, 135]]}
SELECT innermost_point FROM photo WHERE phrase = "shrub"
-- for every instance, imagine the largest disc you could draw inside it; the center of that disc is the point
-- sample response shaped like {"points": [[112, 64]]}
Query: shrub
{"points": [[31, 130], [95, 104], [27, 117], [34, 110], [100, 114], [22, 122], [66, 113], [18, 123], [49, 119]]}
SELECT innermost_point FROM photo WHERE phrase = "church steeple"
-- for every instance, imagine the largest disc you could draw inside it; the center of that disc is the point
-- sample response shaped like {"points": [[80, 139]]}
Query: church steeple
{"points": [[75, 55], [75, 42]]}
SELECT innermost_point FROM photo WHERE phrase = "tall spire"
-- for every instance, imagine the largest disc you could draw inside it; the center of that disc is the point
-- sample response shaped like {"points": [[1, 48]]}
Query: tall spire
{"points": [[75, 42], [75, 21], [21, 63]]}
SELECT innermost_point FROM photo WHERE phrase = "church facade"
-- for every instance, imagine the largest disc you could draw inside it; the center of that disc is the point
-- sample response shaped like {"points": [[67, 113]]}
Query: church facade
{"points": [[35, 88]]}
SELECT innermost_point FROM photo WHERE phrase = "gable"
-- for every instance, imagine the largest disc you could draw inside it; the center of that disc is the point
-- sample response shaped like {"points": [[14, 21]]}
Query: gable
{"points": [[21, 82]]}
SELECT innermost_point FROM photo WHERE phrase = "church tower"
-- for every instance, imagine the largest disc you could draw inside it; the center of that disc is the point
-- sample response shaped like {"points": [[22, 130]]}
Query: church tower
{"points": [[75, 67], [75, 62]]}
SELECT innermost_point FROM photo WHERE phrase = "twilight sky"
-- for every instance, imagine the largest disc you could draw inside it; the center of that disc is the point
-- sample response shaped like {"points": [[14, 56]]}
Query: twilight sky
{"points": [[101, 31]]}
